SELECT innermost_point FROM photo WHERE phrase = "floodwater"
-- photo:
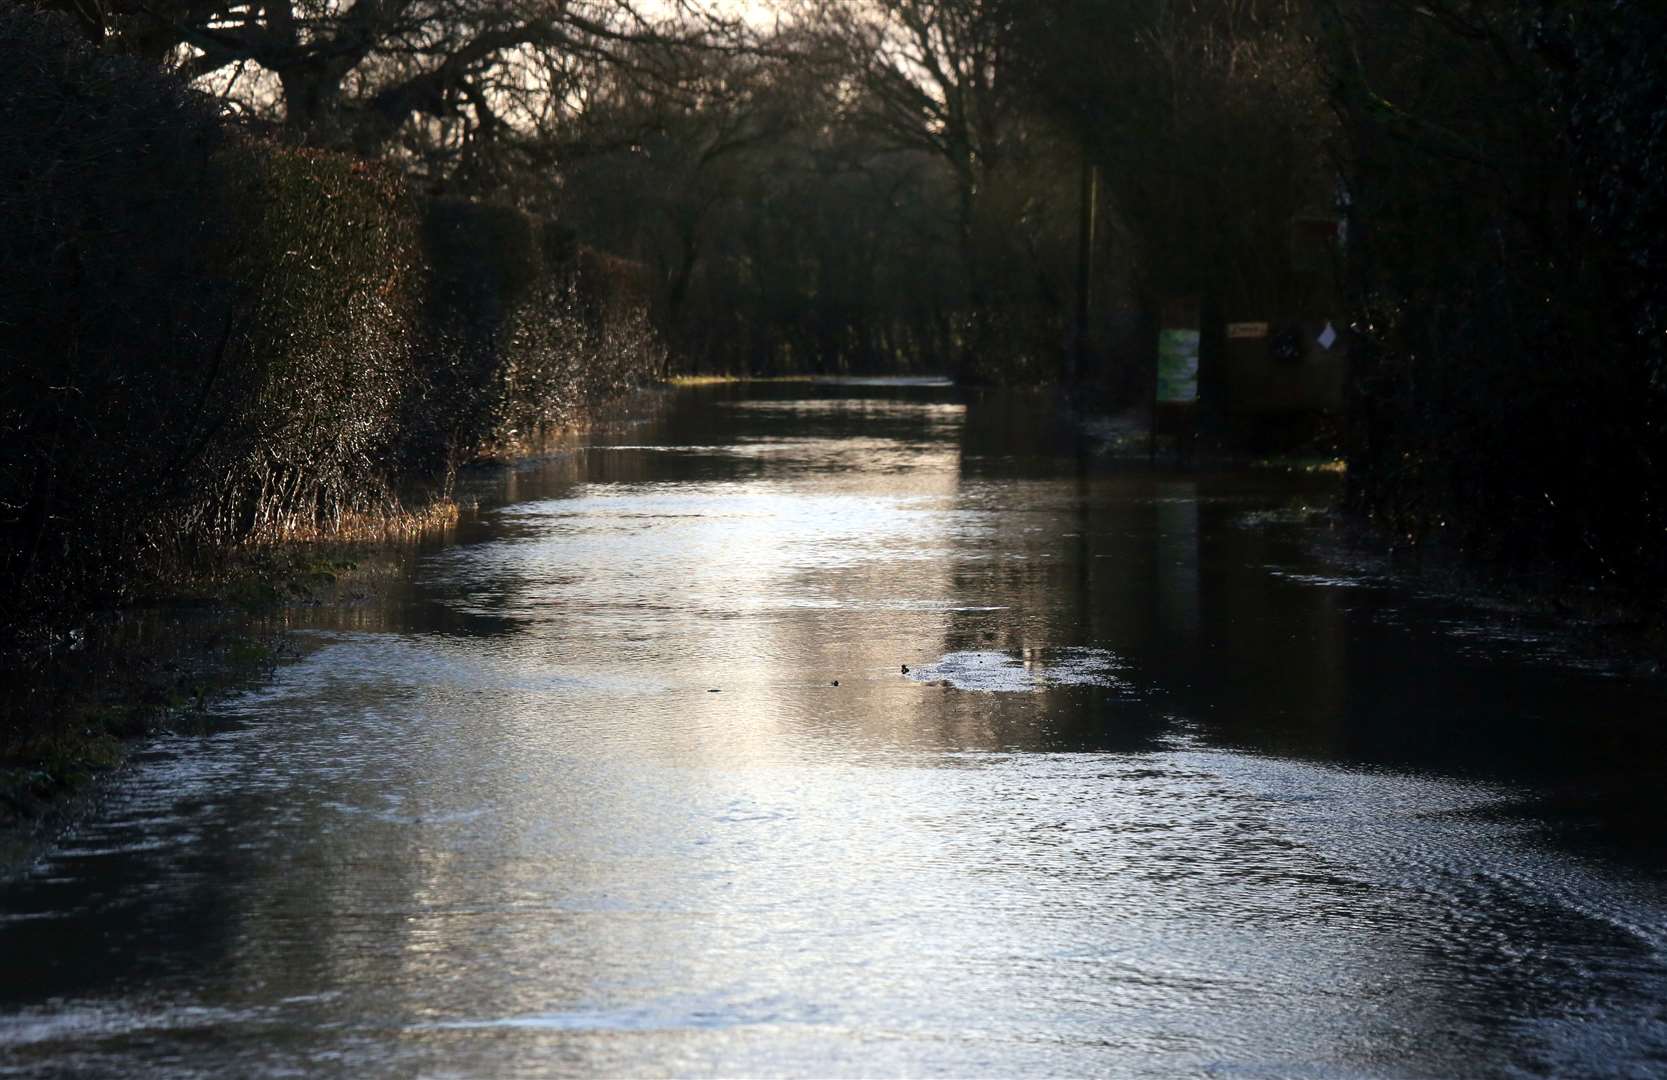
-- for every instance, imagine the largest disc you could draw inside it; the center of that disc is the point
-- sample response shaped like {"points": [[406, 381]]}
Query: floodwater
{"points": [[629, 781]]}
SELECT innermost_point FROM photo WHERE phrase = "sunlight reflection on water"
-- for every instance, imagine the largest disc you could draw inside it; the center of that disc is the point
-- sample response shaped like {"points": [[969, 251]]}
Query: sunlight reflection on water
{"points": [[634, 783]]}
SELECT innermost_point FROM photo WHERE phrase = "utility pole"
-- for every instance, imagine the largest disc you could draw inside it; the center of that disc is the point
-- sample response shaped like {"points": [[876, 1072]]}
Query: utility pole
{"points": [[1080, 362]]}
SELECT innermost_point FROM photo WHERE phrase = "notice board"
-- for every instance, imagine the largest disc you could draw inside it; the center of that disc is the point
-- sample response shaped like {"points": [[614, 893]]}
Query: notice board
{"points": [[1177, 367]]}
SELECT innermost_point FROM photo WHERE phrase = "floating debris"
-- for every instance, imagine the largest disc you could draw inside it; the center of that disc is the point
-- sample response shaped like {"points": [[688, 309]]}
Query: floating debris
{"points": [[997, 672]]}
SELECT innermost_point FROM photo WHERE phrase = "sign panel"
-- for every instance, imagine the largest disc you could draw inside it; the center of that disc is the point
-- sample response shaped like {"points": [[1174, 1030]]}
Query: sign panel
{"points": [[1177, 367], [1246, 331]]}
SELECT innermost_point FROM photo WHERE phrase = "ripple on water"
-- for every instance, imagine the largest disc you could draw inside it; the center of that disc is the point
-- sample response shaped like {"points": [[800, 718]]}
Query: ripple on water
{"points": [[522, 839]]}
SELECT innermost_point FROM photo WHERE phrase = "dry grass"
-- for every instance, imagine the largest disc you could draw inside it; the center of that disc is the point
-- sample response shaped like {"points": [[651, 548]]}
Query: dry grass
{"points": [[724, 380], [391, 526]]}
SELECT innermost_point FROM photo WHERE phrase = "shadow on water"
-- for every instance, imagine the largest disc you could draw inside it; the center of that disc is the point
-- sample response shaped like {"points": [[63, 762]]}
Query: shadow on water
{"points": [[632, 779]]}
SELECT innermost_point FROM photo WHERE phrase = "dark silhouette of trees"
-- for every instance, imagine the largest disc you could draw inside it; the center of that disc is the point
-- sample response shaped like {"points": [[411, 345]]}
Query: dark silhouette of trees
{"points": [[940, 79], [783, 236], [113, 200], [441, 78], [1505, 164], [1210, 125], [894, 184]]}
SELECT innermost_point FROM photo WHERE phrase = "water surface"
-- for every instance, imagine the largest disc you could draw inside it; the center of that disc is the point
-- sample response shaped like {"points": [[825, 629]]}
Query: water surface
{"points": [[631, 781]]}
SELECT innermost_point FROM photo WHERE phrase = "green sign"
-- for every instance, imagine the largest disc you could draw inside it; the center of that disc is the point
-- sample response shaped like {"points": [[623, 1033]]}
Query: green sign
{"points": [[1177, 367]]}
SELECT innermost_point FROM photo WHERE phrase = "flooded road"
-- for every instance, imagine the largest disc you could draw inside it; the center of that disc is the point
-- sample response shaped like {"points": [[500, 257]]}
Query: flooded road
{"points": [[631, 781]]}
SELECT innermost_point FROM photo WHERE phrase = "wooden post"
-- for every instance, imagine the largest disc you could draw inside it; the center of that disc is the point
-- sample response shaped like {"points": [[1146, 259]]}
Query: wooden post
{"points": [[1079, 362]]}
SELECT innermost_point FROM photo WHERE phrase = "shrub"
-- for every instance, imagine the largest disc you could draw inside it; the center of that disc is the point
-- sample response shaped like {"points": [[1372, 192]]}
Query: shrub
{"points": [[210, 339], [1507, 268], [114, 309], [317, 358]]}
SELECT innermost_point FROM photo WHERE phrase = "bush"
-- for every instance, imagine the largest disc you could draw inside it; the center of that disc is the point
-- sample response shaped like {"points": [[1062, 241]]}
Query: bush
{"points": [[1507, 267], [115, 308], [209, 339], [324, 248], [524, 329], [581, 334]]}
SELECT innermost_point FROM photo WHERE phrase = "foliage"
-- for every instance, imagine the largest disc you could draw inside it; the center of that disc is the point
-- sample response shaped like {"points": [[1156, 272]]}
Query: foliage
{"points": [[113, 326], [212, 336], [1209, 122], [323, 348], [581, 334], [523, 327], [455, 86], [212, 339], [936, 79], [1505, 165], [780, 237]]}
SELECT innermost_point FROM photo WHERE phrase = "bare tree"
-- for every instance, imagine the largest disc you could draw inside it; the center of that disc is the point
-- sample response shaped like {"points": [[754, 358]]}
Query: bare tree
{"points": [[930, 78], [358, 74]]}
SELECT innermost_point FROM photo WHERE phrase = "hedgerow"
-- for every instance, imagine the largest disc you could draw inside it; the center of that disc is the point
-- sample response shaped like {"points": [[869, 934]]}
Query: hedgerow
{"points": [[211, 339]]}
